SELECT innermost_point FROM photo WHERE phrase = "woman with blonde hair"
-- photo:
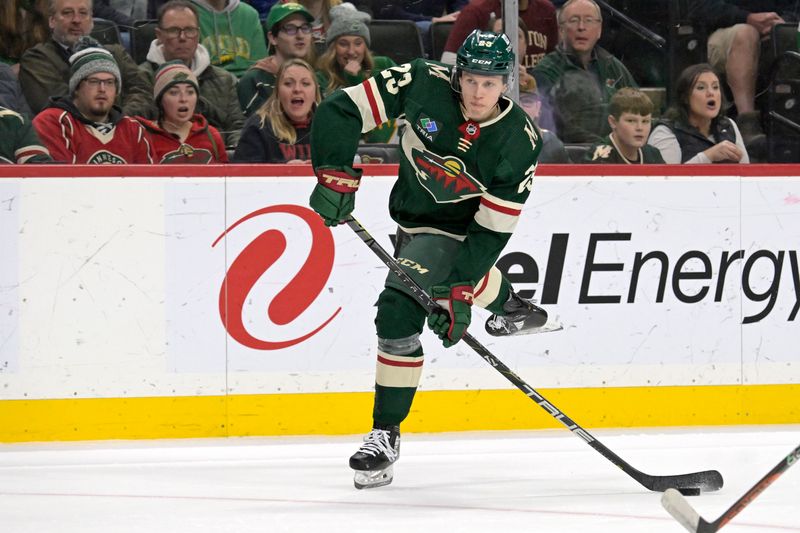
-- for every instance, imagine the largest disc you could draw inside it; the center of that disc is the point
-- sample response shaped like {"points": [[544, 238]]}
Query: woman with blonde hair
{"points": [[348, 60], [280, 131]]}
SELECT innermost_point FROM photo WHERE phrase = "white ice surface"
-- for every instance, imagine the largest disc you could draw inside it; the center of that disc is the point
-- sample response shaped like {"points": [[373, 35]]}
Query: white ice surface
{"points": [[543, 481]]}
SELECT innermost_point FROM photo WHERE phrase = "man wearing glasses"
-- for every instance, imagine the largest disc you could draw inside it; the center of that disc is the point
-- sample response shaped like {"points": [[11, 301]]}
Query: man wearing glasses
{"points": [[178, 38], [578, 79], [44, 69], [289, 35], [86, 127]]}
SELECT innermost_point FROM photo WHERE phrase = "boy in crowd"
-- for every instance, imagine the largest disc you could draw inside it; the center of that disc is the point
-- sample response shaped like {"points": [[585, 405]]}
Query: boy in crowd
{"points": [[630, 117]]}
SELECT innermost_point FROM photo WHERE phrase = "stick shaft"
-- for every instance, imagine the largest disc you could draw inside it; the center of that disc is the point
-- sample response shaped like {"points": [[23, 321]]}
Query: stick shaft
{"points": [[758, 488]]}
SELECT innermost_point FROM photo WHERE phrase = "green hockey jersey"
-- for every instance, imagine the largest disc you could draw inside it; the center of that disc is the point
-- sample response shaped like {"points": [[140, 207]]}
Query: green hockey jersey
{"points": [[18, 140], [605, 152], [457, 177]]}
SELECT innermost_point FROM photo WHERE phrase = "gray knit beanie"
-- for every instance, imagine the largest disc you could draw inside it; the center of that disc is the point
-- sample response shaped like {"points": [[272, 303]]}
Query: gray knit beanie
{"points": [[347, 20], [89, 57]]}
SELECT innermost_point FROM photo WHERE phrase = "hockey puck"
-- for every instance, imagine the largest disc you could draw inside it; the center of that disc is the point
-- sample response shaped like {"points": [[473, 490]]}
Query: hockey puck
{"points": [[690, 492]]}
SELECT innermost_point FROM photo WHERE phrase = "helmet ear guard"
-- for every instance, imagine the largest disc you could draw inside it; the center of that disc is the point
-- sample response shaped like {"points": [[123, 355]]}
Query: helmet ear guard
{"points": [[484, 53]]}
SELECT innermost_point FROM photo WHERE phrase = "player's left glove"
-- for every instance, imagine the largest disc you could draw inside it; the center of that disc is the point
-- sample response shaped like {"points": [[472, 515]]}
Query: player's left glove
{"points": [[451, 322], [334, 195]]}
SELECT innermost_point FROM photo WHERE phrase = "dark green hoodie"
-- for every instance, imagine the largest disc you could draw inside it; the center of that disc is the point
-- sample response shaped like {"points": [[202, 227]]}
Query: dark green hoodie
{"points": [[233, 37]]}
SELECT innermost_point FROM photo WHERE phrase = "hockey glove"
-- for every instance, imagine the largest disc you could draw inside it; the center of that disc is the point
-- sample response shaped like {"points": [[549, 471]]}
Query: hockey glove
{"points": [[450, 323], [334, 196]]}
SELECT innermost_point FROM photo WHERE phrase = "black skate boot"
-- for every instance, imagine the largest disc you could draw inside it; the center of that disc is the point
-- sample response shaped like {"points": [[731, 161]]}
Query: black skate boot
{"points": [[521, 317], [373, 461]]}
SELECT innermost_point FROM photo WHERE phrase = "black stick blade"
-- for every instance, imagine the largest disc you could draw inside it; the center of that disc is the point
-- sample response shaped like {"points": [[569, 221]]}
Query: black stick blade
{"points": [[705, 481]]}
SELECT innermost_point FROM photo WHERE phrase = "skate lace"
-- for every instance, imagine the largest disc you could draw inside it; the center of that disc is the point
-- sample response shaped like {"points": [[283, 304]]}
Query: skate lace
{"points": [[377, 442]]}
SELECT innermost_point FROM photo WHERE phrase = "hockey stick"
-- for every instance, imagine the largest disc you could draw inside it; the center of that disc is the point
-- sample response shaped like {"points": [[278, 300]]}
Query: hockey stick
{"points": [[684, 513], [708, 480]]}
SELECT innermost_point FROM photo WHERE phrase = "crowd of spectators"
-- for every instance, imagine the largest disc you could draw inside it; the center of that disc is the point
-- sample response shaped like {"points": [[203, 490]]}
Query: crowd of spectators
{"points": [[240, 80]]}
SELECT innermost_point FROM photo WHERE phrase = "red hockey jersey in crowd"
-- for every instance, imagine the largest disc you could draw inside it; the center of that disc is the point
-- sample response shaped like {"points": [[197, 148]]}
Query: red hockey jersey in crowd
{"points": [[203, 145], [539, 18], [72, 138]]}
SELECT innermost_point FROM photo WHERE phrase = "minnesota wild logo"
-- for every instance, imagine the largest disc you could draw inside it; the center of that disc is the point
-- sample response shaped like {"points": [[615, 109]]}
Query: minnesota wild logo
{"points": [[104, 157], [446, 178], [601, 152], [187, 154]]}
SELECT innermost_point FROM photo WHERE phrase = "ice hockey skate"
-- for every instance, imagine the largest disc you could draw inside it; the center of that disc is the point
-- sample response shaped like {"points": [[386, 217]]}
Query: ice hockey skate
{"points": [[374, 461], [522, 317]]}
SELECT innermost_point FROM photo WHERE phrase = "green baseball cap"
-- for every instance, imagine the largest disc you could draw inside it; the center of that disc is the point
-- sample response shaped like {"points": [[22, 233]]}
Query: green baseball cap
{"points": [[281, 11]]}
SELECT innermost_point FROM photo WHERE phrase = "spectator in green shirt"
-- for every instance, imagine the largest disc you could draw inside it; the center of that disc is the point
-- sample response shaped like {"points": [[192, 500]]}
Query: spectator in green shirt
{"points": [[577, 79]]}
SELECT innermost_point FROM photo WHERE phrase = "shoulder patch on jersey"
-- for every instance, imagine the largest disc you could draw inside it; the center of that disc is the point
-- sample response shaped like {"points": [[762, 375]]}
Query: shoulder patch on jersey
{"points": [[602, 152], [427, 127], [532, 135], [440, 71], [445, 178]]}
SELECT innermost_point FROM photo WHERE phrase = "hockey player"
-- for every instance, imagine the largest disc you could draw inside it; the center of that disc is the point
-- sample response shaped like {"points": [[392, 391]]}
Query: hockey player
{"points": [[468, 157]]}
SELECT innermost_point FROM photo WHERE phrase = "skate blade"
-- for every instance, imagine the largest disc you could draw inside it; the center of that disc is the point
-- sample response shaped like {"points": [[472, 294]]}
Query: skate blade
{"points": [[372, 479], [547, 327]]}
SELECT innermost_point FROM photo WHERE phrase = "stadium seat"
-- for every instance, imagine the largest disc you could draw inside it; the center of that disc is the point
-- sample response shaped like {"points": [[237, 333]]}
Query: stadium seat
{"points": [[577, 151], [374, 153], [657, 95], [397, 39], [783, 112], [106, 31], [784, 38], [686, 45], [440, 31], [142, 34]]}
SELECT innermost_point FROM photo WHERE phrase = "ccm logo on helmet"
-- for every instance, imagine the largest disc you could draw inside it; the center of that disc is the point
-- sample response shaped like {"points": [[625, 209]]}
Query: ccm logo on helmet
{"points": [[482, 61]]}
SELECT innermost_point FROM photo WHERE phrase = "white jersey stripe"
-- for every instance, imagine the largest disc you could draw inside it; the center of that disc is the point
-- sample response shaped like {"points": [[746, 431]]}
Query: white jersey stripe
{"points": [[368, 100], [488, 288], [27, 152], [497, 214], [396, 371]]}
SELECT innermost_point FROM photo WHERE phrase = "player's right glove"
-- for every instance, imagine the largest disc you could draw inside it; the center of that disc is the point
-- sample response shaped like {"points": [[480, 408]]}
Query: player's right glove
{"points": [[450, 323], [334, 196]]}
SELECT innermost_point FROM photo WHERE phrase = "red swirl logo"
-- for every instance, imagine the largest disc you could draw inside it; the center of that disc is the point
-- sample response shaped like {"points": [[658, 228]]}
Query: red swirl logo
{"points": [[254, 261]]}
